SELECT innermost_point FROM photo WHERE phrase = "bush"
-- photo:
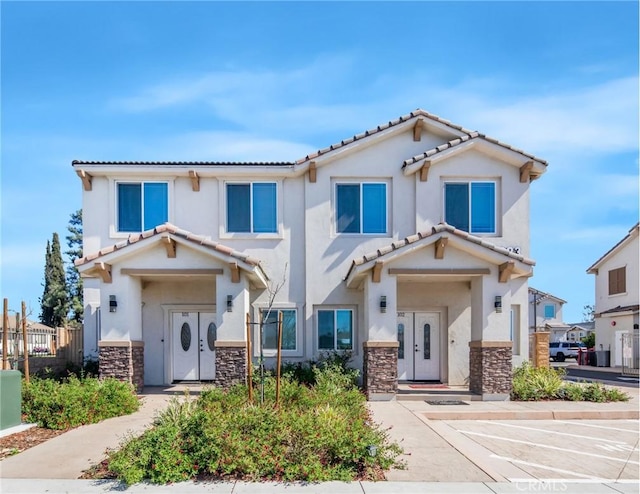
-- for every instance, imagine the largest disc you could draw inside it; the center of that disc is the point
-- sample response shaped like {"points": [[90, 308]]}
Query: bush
{"points": [[544, 383], [73, 402], [317, 433]]}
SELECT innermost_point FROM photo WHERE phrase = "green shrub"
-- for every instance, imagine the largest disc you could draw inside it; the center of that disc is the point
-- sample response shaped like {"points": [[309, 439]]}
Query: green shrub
{"points": [[544, 383], [73, 402], [316, 434]]}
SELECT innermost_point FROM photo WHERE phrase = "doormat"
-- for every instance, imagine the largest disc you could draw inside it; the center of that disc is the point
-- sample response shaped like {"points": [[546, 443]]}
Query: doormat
{"points": [[446, 402], [428, 386]]}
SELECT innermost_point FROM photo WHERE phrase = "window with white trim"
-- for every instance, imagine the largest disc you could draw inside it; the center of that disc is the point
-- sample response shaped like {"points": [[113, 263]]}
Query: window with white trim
{"points": [[252, 207], [141, 205], [361, 207], [269, 319], [471, 206], [335, 329]]}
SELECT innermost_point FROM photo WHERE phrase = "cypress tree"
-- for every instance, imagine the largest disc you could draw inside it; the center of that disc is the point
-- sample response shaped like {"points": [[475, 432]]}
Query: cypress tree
{"points": [[74, 282], [54, 299]]}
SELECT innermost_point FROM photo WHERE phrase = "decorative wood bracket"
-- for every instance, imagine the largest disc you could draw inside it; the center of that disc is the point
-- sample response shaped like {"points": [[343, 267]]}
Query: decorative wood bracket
{"points": [[170, 245], [235, 272], [312, 172], [86, 179], [417, 129], [104, 271], [195, 180], [440, 245], [525, 172], [376, 274], [506, 269], [424, 171]]}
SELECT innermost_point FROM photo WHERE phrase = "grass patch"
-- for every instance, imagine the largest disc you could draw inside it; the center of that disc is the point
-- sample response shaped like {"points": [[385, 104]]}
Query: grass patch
{"points": [[545, 383], [317, 433], [73, 402]]}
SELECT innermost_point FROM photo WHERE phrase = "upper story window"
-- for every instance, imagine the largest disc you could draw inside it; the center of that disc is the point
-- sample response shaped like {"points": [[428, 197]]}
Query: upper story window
{"points": [[617, 281], [252, 207], [549, 311], [471, 206], [142, 205], [361, 208]]}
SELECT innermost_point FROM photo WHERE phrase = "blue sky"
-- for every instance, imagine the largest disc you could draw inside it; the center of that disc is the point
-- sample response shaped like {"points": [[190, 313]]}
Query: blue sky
{"points": [[272, 81]]}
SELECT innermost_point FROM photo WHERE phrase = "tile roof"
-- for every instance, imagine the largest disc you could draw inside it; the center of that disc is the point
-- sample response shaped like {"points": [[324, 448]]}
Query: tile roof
{"points": [[186, 163], [173, 230], [392, 123], [622, 308], [466, 138], [439, 228], [635, 229], [544, 295]]}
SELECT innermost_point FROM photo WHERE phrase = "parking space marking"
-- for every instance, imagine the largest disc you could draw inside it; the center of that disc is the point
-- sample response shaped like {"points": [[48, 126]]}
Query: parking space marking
{"points": [[490, 436], [555, 433], [545, 467], [598, 426]]}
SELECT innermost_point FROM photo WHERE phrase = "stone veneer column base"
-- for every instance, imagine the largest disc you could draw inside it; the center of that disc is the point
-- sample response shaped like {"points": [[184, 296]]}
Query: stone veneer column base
{"points": [[231, 363], [490, 369], [122, 360], [380, 370]]}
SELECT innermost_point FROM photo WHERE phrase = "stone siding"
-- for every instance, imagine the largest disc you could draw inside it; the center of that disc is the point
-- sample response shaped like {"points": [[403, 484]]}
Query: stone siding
{"points": [[380, 369], [123, 362], [490, 368], [231, 366]]}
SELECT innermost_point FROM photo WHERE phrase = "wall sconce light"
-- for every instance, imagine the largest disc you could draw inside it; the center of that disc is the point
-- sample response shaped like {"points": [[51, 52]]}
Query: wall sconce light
{"points": [[113, 303], [383, 304], [229, 303], [498, 303]]}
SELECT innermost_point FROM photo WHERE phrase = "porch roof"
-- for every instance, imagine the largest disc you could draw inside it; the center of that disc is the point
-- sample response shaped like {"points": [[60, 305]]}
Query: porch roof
{"points": [[479, 247], [171, 233]]}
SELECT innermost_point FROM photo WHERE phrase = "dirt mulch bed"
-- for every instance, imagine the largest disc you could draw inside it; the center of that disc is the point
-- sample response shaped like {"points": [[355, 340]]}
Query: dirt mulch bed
{"points": [[18, 442]]}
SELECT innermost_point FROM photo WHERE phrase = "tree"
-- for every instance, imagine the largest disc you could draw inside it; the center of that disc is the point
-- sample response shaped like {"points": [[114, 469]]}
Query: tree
{"points": [[589, 313], [54, 302], [74, 282]]}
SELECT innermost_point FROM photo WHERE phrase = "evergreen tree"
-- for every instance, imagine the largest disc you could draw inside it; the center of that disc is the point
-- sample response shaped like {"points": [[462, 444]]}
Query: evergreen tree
{"points": [[54, 299], [74, 282]]}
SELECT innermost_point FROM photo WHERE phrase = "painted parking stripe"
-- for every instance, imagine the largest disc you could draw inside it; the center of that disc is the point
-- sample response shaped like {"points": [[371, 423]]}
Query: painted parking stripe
{"points": [[546, 446], [545, 467], [598, 426], [549, 431]]}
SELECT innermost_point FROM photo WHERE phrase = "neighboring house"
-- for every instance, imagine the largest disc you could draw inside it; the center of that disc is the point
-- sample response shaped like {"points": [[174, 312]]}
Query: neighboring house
{"points": [[407, 245], [616, 308], [579, 330], [545, 314]]}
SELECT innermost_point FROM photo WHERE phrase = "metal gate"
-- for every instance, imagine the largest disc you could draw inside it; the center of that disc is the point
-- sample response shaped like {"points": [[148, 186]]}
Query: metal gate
{"points": [[630, 354]]}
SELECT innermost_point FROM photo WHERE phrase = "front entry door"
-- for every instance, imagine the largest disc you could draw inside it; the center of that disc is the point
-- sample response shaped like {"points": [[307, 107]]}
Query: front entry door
{"points": [[193, 342], [419, 349]]}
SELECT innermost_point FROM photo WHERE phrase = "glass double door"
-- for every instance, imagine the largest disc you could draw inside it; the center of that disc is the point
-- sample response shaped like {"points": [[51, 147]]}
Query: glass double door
{"points": [[193, 341], [419, 346]]}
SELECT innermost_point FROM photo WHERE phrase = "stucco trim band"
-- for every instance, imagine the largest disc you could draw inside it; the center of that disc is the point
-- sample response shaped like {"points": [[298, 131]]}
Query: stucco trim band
{"points": [[490, 344], [230, 344], [381, 344], [125, 343]]}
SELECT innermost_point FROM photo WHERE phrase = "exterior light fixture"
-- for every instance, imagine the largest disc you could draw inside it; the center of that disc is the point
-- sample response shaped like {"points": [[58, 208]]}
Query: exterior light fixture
{"points": [[229, 303], [113, 303], [383, 304], [498, 303]]}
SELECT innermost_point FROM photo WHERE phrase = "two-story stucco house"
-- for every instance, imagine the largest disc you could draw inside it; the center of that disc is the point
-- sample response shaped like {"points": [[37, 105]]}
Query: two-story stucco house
{"points": [[617, 297], [545, 314], [407, 244]]}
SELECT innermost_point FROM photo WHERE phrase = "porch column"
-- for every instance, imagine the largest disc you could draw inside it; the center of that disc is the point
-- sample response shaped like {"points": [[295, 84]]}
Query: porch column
{"points": [[380, 346], [490, 348], [232, 305], [121, 349]]}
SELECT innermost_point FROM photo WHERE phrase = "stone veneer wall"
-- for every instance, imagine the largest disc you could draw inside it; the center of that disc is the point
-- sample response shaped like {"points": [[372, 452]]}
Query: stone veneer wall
{"points": [[380, 369], [122, 360], [231, 363], [490, 367]]}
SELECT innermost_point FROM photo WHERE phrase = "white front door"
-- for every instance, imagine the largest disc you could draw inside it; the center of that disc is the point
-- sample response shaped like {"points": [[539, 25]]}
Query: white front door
{"points": [[419, 346], [193, 344]]}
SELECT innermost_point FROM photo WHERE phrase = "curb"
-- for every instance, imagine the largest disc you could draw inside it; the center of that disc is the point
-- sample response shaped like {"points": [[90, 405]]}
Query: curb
{"points": [[533, 415]]}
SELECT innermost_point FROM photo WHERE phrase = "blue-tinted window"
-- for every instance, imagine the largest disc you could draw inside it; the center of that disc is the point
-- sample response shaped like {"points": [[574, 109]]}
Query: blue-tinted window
{"points": [[335, 329], [549, 311], [252, 208], [471, 206], [142, 206], [361, 208]]}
